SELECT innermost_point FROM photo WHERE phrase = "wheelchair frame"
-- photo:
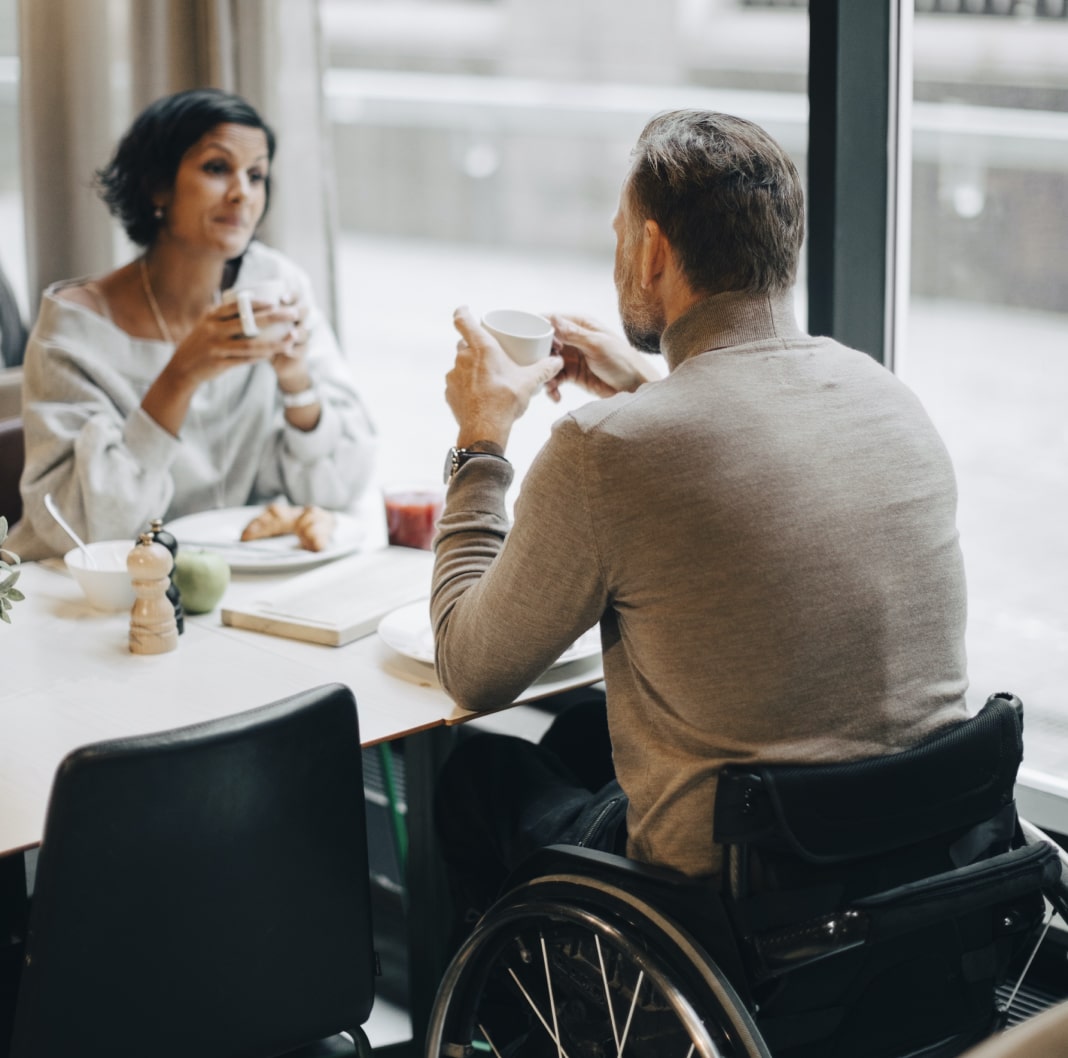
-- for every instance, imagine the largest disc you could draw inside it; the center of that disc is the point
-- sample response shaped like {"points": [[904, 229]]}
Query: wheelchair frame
{"points": [[597, 948]]}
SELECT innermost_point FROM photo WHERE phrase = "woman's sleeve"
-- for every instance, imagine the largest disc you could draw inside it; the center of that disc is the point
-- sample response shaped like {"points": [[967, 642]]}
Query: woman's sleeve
{"points": [[330, 465], [105, 462]]}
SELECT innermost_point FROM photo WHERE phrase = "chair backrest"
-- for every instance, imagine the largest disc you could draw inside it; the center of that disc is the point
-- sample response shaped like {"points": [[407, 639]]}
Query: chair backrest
{"points": [[204, 890], [12, 329], [12, 460]]}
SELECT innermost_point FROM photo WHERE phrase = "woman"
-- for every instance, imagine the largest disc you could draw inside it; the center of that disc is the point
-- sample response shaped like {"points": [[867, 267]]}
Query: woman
{"points": [[144, 395]]}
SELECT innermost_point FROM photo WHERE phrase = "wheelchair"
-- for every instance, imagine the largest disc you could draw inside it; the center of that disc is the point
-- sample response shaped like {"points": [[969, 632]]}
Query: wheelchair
{"points": [[882, 908]]}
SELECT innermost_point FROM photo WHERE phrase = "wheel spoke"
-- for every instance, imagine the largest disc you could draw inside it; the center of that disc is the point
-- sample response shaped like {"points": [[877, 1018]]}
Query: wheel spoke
{"points": [[492, 1045], [537, 1013], [630, 1013], [552, 1001], [607, 995]]}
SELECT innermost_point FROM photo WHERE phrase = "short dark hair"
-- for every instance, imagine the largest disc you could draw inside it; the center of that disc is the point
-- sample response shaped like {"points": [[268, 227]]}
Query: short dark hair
{"points": [[727, 197], [148, 155]]}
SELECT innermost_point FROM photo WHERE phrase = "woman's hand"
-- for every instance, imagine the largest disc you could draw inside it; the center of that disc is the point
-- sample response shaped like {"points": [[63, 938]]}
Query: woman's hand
{"points": [[598, 360], [289, 360], [487, 390], [216, 344]]}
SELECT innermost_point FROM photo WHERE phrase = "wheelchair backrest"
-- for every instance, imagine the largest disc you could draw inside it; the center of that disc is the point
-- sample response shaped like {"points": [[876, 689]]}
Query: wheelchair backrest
{"points": [[953, 791]]}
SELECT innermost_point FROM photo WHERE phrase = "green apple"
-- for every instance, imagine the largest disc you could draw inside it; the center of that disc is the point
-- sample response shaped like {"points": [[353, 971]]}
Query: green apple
{"points": [[202, 578]]}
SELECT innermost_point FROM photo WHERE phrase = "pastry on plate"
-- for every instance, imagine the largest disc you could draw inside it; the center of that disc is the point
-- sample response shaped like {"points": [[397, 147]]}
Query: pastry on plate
{"points": [[313, 526], [276, 519]]}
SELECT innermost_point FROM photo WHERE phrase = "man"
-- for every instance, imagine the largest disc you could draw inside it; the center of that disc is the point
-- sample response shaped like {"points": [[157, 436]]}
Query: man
{"points": [[766, 535]]}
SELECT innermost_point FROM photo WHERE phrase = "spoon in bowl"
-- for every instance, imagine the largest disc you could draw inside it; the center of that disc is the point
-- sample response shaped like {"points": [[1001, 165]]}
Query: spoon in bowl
{"points": [[53, 510]]}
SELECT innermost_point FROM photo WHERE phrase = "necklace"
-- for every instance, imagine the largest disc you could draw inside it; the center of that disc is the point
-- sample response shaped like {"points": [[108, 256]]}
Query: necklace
{"points": [[153, 304], [165, 332]]}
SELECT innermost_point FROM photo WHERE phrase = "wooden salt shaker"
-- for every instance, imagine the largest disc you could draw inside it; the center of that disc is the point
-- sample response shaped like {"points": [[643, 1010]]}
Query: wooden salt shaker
{"points": [[153, 629]]}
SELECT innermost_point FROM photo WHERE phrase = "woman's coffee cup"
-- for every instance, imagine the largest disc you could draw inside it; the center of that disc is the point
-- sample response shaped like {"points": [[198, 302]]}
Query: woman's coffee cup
{"points": [[525, 336], [270, 291]]}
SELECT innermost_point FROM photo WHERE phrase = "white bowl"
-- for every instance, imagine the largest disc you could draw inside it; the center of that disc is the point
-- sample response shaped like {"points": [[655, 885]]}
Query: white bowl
{"points": [[108, 586]]}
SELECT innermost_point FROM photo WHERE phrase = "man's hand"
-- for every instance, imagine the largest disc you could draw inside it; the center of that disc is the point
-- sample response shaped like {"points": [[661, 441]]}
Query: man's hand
{"points": [[486, 390], [599, 361]]}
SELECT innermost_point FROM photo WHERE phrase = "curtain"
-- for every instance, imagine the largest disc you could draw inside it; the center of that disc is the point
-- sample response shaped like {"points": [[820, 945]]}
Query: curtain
{"points": [[88, 66]]}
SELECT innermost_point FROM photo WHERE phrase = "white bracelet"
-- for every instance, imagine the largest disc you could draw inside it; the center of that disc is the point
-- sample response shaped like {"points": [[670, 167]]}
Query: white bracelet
{"points": [[302, 399]]}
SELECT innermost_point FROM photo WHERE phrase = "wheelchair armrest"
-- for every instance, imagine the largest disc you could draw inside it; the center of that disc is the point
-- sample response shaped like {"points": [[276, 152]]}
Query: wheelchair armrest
{"points": [[1057, 893], [555, 859]]}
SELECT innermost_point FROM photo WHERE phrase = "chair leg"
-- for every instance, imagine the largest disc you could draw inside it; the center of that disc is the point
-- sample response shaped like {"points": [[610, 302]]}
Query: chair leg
{"points": [[363, 1044]]}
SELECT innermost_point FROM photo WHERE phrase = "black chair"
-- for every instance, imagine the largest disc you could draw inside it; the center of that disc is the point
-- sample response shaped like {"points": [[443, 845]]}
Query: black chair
{"points": [[12, 460], [12, 329], [204, 891], [866, 910]]}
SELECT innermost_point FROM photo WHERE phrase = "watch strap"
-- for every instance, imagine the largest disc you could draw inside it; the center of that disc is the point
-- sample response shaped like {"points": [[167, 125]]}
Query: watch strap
{"points": [[458, 456]]}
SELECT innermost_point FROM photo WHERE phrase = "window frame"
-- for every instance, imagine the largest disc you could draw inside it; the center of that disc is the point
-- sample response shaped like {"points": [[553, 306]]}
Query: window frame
{"points": [[859, 161]]}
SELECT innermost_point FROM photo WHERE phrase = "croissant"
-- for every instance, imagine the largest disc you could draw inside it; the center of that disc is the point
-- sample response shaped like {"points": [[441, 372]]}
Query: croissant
{"points": [[276, 519], [314, 528]]}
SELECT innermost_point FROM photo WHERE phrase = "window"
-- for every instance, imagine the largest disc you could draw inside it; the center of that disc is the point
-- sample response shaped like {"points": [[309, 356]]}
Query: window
{"points": [[987, 347], [480, 147]]}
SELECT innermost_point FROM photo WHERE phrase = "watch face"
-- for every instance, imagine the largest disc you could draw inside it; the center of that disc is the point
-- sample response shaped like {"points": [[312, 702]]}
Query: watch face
{"points": [[452, 464]]}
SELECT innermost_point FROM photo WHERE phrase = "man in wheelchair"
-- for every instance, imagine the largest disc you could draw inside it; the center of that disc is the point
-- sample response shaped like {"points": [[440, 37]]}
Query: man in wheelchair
{"points": [[767, 538]]}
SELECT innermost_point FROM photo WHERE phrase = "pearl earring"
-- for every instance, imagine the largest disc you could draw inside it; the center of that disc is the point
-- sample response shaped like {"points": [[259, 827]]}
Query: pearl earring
{"points": [[158, 213]]}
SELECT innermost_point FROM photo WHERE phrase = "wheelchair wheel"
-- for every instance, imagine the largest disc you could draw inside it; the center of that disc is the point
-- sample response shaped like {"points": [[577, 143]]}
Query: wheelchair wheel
{"points": [[572, 967]]}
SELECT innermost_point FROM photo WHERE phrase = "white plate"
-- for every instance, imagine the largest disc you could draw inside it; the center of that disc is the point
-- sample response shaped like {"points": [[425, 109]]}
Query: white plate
{"points": [[407, 630], [220, 531]]}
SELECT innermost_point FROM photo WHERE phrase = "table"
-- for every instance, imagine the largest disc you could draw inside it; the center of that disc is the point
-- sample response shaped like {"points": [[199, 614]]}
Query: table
{"points": [[68, 678]]}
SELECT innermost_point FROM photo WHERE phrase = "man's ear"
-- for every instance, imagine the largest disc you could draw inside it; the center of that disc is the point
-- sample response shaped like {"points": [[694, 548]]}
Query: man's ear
{"points": [[655, 252]]}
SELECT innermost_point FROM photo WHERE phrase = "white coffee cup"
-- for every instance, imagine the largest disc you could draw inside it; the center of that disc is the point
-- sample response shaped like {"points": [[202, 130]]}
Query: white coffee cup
{"points": [[271, 291], [525, 336]]}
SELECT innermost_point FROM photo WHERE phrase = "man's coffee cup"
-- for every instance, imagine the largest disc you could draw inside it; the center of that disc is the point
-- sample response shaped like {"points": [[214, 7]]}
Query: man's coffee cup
{"points": [[525, 336]]}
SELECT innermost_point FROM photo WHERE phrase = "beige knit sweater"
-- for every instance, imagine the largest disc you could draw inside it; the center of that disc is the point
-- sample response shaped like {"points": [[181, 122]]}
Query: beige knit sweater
{"points": [[767, 538]]}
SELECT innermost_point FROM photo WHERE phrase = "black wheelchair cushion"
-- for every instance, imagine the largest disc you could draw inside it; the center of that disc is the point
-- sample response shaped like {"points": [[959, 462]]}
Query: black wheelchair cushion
{"points": [[832, 813]]}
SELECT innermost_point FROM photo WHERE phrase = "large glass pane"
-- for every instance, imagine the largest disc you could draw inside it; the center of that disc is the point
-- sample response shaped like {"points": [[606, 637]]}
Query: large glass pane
{"points": [[988, 322], [480, 146]]}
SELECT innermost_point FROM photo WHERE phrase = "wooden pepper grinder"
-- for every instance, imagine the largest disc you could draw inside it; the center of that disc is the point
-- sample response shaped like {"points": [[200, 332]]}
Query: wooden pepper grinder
{"points": [[153, 628], [162, 536]]}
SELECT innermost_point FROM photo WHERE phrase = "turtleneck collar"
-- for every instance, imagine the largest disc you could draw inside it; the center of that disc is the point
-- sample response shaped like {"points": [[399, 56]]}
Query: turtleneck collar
{"points": [[732, 318]]}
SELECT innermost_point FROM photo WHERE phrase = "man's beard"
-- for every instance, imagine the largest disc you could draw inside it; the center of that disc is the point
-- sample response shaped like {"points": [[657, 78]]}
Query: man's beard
{"points": [[644, 339], [642, 319]]}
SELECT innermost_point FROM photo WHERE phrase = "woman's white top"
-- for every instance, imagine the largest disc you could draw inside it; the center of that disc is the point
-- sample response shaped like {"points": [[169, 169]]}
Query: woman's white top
{"points": [[111, 468]]}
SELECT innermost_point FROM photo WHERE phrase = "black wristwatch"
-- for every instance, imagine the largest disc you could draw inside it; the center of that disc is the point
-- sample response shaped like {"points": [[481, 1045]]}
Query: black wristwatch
{"points": [[458, 456]]}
